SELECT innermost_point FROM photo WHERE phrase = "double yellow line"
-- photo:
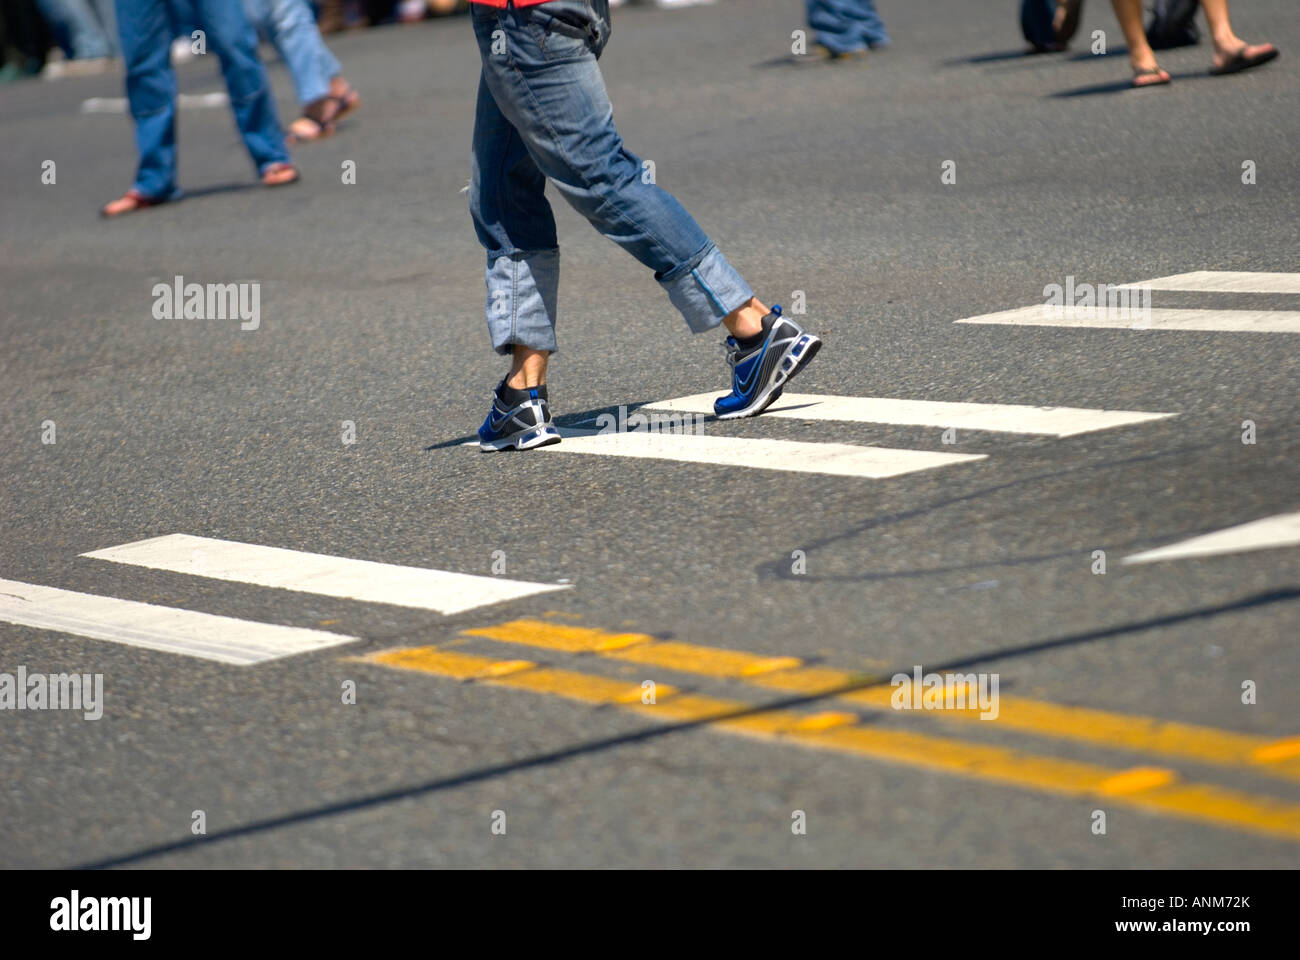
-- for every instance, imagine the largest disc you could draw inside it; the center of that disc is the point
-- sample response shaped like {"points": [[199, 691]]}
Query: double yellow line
{"points": [[1157, 789]]}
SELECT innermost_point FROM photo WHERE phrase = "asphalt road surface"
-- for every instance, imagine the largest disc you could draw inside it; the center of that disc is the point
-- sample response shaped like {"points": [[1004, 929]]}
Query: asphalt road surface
{"points": [[1145, 714]]}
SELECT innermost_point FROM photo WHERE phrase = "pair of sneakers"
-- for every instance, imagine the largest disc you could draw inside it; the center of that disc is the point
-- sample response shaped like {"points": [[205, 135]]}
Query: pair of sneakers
{"points": [[761, 366]]}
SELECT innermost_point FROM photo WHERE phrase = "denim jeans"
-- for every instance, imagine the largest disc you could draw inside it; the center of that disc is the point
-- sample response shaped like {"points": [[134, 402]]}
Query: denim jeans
{"points": [[543, 113], [147, 28], [90, 28], [292, 30], [845, 26]]}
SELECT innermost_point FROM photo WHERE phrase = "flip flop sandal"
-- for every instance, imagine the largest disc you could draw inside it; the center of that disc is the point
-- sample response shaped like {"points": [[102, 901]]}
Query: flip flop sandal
{"points": [[307, 129], [347, 102], [138, 202], [1239, 61], [1159, 72], [272, 169], [317, 121]]}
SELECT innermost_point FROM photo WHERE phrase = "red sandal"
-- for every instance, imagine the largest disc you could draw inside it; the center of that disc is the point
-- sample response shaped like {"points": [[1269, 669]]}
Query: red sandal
{"points": [[279, 175], [130, 202]]}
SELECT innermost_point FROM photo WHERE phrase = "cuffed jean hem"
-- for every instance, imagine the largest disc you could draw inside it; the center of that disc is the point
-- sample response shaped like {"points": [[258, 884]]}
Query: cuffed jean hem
{"points": [[522, 291], [705, 289]]}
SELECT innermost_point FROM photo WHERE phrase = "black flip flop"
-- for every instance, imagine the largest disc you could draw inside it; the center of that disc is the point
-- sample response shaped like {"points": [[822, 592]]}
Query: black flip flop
{"points": [[1240, 61], [1152, 72]]}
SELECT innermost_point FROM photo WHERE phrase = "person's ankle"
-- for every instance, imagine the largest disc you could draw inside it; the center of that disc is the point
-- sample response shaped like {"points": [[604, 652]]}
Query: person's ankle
{"points": [[527, 368], [747, 320], [525, 379], [1227, 42]]}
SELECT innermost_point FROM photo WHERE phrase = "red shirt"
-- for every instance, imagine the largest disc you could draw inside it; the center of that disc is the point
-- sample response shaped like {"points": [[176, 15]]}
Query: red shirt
{"points": [[502, 3]]}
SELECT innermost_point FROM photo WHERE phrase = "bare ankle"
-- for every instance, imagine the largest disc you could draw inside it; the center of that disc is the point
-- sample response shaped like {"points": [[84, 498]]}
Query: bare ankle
{"points": [[527, 368], [747, 320]]}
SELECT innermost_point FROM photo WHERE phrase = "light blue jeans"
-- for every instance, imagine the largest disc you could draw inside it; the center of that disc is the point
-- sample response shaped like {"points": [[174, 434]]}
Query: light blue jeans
{"points": [[846, 26], [543, 114], [91, 29], [292, 30]]}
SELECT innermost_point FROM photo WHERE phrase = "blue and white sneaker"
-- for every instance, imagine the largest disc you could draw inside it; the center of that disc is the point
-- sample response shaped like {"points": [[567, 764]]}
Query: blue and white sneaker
{"points": [[522, 421], [760, 370]]}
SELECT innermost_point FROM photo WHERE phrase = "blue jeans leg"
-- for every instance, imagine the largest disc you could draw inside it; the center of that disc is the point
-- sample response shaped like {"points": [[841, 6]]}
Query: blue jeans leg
{"points": [[542, 94], [292, 29], [845, 26], [514, 223], [145, 29], [88, 35], [234, 41]]}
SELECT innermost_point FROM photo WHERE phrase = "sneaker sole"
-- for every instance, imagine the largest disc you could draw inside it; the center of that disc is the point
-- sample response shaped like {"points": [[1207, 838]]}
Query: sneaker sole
{"points": [[527, 440], [797, 356]]}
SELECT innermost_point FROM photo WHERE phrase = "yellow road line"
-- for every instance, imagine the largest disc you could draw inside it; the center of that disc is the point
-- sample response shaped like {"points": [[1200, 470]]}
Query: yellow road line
{"points": [[1146, 788], [1280, 758]]}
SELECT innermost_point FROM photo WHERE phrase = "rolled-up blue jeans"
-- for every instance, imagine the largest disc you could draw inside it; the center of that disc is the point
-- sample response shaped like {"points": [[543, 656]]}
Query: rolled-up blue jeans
{"points": [[147, 28], [543, 114], [292, 30], [846, 26]]}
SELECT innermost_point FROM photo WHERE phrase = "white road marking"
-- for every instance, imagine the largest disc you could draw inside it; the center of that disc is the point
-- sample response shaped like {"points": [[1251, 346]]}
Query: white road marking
{"points": [[186, 101], [317, 573], [837, 459], [996, 417], [1224, 281], [1226, 321], [224, 639], [1282, 530]]}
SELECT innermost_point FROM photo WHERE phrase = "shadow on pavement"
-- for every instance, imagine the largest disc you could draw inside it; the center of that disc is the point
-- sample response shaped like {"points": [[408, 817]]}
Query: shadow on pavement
{"points": [[580, 419], [1119, 86]]}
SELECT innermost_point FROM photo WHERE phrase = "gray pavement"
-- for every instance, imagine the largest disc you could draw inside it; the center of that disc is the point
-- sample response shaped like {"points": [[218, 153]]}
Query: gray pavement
{"points": [[820, 179]]}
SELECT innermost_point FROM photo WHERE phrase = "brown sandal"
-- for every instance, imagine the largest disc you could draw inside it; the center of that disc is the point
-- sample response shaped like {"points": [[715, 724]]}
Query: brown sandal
{"points": [[347, 97], [317, 120]]}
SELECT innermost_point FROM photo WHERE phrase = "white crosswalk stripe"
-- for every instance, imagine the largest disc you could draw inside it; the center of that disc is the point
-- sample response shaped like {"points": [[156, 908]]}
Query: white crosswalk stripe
{"points": [[1224, 281], [1130, 316], [1282, 530], [419, 587], [1161, 318], [993, 417], [838, 459], [224, 639]]}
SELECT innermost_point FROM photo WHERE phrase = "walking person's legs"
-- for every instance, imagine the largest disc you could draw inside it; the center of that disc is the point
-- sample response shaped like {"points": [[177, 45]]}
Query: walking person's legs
{"points": [[544, 114], [234, 41], [88, 38], [1231, 53], [846, 27], [515, 225], [323, 93], [1146, 72], [145, 29], [106, 12]]}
